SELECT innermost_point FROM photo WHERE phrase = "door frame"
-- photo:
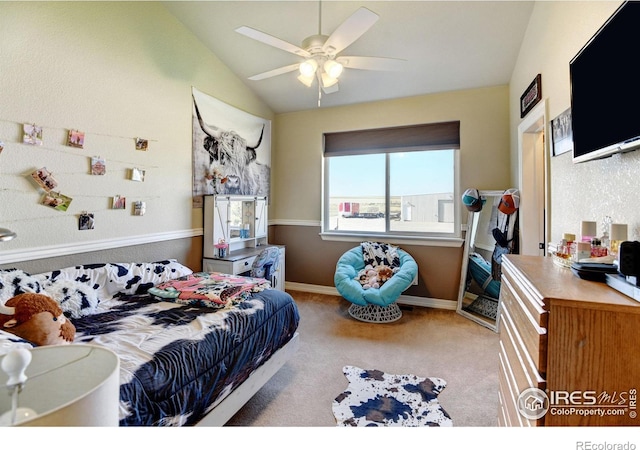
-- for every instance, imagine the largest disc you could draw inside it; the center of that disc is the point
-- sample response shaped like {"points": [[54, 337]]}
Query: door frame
{"points": [[533, 179]]}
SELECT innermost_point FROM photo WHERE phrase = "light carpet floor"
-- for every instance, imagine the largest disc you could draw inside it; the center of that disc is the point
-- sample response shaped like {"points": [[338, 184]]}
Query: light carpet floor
{"points": [[426, 342]]}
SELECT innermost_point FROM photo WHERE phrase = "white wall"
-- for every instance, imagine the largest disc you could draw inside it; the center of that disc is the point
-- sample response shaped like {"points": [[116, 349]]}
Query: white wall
{"points": [[115, 70], [586, 191]]}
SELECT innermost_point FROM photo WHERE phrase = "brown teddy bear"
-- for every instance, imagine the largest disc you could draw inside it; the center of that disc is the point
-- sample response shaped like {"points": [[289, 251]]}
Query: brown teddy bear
{"points": [[384, 273], [36, 318]]}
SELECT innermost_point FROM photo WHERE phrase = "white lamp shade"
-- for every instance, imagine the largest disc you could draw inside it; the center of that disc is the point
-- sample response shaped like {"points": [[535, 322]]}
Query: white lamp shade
{"points": [[307, 81], [589, 228], [618, 232], [6, 234], [69, 385], [328, 81], [333, 68], [308, 68]]}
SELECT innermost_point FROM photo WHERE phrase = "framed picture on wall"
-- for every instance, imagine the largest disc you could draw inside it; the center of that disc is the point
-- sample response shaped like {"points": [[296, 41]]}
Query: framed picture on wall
{"points": [[531, 96], [561, 134]]}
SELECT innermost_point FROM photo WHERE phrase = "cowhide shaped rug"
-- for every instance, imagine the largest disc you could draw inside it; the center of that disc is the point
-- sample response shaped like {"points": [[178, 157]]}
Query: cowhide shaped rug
{"points": [[374, 398]]}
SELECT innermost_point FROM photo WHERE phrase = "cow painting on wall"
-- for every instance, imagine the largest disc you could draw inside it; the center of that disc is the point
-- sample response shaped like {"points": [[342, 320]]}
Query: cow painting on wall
{"points": [[231, 150]]}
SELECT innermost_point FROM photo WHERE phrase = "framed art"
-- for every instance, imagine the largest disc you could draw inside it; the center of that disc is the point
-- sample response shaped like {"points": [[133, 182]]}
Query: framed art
{"points": [[561, 134], [230, 144], [532, 95]]}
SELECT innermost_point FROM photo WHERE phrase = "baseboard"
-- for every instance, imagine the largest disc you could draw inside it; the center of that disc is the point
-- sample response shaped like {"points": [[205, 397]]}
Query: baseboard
{"points": [[403, 300]]}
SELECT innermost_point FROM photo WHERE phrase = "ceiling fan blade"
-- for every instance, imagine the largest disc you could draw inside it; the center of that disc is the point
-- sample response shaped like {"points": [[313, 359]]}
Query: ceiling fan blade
{"points": [[350, 30], [371, 63], [274, 72], [272, 41]]}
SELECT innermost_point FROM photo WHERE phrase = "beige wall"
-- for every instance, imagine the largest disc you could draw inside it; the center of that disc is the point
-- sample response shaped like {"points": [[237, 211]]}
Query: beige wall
{"points": [[585, 191], [484, 136], [115, 70], [297, 182]]}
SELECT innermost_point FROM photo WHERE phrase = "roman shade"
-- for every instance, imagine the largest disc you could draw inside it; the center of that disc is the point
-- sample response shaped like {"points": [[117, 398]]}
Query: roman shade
{"points": [[431, 136]]}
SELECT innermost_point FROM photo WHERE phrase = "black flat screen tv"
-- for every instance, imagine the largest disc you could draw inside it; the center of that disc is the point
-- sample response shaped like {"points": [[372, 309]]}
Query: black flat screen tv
{"points": [[605, 88]]}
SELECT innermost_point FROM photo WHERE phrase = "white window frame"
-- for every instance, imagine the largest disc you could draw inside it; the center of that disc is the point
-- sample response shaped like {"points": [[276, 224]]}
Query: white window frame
{"points": [[414, 238]]}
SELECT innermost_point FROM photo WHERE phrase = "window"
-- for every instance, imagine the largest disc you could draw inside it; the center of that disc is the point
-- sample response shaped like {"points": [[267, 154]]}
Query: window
{"points": [[392, 181]]}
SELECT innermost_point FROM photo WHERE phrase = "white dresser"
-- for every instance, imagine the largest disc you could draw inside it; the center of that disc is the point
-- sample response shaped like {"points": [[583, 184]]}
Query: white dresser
{"points": [[238, 262]]}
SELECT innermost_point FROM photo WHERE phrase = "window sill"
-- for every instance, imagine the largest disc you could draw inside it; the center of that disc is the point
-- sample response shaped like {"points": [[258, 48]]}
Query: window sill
{"points": [[431, 241]]}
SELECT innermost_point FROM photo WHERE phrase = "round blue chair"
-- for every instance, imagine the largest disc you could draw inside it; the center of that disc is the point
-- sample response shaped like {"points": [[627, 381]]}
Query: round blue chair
{"points": [[376, 305]]}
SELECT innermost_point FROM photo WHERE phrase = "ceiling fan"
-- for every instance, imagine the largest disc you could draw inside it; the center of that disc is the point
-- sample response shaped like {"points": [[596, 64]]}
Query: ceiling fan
{"points": [[321, 53]]}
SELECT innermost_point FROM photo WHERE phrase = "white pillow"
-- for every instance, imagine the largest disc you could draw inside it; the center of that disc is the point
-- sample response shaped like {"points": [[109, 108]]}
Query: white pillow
{"points": [[16, 281], [77, 299], [137, 278]]}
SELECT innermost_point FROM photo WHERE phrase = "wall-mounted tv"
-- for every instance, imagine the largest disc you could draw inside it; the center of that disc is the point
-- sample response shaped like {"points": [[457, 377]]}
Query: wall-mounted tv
{"points": [[605, 88]]}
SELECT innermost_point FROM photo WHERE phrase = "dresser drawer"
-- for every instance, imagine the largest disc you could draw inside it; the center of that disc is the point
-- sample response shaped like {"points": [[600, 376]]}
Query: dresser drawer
{"points": [[526, 325], [517, 369], [530, 300], [243, 265]]}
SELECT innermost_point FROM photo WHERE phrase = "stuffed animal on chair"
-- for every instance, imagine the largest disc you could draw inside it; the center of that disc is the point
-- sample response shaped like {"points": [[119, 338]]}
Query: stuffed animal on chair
{"points": [[374, 277], [36, 318]]}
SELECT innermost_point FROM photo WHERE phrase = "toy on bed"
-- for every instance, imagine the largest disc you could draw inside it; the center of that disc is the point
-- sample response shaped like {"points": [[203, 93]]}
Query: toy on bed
{"points": [[36, 318], [181, 363]]}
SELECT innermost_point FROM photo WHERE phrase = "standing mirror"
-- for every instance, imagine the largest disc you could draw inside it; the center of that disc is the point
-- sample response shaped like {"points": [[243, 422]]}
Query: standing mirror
{"points": [[479, 294]]}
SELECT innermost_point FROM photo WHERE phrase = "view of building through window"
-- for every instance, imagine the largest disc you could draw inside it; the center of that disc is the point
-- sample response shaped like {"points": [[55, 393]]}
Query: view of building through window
{"points": [[421, 192]]}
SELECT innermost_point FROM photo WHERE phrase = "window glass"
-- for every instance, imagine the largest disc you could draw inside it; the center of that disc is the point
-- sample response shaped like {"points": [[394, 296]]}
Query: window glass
{"points": [[399, 193]]}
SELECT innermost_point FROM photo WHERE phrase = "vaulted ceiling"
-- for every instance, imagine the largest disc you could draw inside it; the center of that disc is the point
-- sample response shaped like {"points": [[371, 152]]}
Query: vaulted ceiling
{"points": [[446, 45]]}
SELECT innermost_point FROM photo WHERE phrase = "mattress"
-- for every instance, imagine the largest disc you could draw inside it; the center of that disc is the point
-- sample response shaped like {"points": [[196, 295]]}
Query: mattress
{"points": [[178, 360]]}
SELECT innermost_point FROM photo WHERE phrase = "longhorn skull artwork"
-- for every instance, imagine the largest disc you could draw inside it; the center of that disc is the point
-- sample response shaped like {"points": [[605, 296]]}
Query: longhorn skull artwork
{"points": [[225, 163]]}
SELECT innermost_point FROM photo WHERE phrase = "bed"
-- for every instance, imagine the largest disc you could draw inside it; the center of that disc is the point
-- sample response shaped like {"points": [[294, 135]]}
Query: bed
{"points": [[184, 359]]}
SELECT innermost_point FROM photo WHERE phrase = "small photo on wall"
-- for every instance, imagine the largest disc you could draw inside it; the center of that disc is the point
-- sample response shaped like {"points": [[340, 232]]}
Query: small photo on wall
{"points": [[142, 144], [137, 174], [139, 208], [44, 179], [56, 201], [32, 134], [119, 202], [1, 146], [86, 221], [75, 139], [98, 165]]}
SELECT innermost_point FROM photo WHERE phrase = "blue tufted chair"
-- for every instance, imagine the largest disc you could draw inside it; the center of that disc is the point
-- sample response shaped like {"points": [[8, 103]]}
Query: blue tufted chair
{"points": [[373, 305]]}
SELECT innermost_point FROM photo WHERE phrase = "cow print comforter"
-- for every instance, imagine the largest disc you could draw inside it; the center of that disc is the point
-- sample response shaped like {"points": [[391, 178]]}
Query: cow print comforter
{"points": [[177, 361]]}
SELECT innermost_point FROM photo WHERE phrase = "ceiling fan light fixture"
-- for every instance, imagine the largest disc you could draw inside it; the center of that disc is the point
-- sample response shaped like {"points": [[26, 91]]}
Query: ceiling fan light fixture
{"points": [[333, 68], [328, 81], [307, 81], [308, 68]]}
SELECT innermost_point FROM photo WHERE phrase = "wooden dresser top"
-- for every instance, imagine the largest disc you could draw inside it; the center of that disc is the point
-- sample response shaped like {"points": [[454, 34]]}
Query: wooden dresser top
{"points": [[555, 283]]}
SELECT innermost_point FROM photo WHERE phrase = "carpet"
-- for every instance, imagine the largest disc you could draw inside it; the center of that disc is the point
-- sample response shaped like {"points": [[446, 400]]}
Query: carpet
{"points": [[485, 306], [374, 398]]}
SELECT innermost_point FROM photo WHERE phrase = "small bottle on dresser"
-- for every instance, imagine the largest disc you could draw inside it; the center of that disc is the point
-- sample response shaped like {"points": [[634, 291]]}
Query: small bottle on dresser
{"points": [[597, 250]]}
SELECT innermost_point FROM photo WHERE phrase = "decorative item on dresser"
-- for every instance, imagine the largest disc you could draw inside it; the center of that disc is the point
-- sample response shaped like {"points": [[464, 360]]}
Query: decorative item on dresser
{"points": [[240, 224], [567, 356]]}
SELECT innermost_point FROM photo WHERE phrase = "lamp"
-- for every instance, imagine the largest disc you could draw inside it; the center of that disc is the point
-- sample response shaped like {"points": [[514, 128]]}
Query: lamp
{"points": [[333, 68], [6, 234], [618, 236], [65, 385], [308, 68]]}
